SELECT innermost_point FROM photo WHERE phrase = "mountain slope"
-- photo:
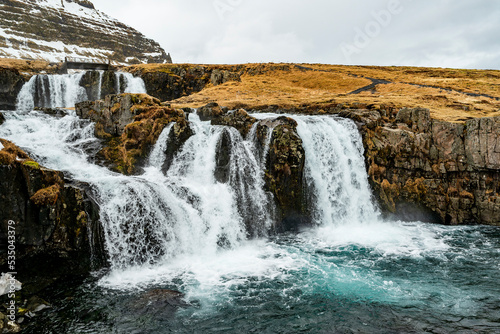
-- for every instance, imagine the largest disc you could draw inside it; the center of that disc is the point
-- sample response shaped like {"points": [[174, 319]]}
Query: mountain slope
{"points": [[53, 29]]}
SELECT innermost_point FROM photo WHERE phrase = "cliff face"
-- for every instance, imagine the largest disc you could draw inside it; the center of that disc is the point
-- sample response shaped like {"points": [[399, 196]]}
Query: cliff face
{"points": [[52, 218], [11, 83], [53, 29], [169, 82], [416, 164]]}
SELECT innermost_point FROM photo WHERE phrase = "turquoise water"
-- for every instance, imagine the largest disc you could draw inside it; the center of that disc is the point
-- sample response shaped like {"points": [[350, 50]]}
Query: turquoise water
{"points": [[427, 279]]}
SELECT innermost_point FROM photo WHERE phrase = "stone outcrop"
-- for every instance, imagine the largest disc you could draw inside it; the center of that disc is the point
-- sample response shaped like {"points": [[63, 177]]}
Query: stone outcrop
{"points": [[285, 172], [52, 218], [450, 172], [79, 29], [130, 124], [11, 82], [170, 82]]}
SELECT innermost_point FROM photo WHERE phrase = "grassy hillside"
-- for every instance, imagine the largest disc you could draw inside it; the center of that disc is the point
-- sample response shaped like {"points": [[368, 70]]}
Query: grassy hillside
{"points": [[451, 94]]}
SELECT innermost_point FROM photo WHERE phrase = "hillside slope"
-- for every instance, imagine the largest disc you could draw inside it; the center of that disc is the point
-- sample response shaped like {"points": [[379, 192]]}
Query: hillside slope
{"points": [[451, 94], [52, 29]]}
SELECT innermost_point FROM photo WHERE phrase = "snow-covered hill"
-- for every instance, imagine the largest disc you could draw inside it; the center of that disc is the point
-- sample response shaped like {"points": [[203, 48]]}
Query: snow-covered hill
{"points": [[54, 29]]}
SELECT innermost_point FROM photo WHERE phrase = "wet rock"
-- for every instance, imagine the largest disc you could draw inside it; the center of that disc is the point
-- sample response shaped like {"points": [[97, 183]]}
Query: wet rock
{"points": [[158, 303], [51, 217], [179, 134], [223, 158], [238, 119], [130, 124], [450, 171], [210, 111], [90, 81], [109, 83], [285, 174], [56, 112], [11, 82]]}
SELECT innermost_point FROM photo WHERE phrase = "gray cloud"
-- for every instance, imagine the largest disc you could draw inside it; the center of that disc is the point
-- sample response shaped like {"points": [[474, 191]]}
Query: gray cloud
{"points": [[442, 33]]}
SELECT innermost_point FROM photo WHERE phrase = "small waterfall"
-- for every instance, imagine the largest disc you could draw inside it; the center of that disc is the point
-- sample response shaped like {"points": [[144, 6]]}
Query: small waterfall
{"points": [[51, 91], [64, 90], [133, 84], [99, 85], [335, 171]]}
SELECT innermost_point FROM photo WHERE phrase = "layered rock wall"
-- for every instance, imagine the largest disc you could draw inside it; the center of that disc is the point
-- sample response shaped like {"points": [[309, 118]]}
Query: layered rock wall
{"points": [[54, 29], [173, 81], [52, 219], [417, 164], [11, 82]]}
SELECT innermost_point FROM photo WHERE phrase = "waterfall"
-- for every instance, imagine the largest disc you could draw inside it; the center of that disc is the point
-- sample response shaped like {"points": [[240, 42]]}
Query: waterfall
{"points": [[64, 90], [133, 84], [335, 171], [99, 85], [51, 91]]}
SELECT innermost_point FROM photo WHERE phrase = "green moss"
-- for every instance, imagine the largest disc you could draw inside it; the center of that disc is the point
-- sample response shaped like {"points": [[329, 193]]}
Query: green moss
{"points": [[32, 164]]}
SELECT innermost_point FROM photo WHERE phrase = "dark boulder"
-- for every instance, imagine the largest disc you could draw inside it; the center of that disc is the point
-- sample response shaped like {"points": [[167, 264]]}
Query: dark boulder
{"points": [[11, 82], [285, 166], [51, 216]]}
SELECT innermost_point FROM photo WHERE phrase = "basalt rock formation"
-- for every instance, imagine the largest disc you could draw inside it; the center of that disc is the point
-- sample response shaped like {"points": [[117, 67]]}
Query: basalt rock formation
{"points": [[52, 219], [450, 172], [285, 173], [11, 82], [130, 124], [173, 81], [53, 29]]}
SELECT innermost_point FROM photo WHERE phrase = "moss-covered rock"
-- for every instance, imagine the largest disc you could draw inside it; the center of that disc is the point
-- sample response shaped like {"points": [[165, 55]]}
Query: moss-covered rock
{"points": [[51, 218], [415, 164], [130, 124], [285, 173]]}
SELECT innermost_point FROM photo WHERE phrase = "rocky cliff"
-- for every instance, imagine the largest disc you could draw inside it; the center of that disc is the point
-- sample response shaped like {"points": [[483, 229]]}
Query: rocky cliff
{"points": [[53, 29], [169, 82], [130, 124], [52, 218], [11, 82], [421, 168]]}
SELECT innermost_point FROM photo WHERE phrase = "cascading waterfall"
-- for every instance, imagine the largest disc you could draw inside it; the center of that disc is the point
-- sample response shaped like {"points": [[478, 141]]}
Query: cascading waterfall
{"points": [[335, 171], [132, 84], [188, 229], [51, 91], [64, 90]]}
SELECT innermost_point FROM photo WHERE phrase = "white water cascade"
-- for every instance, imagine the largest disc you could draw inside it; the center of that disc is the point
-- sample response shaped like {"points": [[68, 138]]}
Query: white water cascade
{"points": [[335, 171], [64, 90], [132, 84], [51, 91]]}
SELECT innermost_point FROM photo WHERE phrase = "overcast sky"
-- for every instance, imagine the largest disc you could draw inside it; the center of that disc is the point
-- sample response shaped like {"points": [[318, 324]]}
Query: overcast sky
{"points": [[439, 33]]}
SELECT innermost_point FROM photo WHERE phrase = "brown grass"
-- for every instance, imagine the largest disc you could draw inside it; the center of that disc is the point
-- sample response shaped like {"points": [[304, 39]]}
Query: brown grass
{"points": [[288, 85], [29, 66]]}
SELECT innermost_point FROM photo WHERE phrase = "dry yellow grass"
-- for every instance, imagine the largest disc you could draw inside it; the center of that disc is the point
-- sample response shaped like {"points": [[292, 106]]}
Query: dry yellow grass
{"points": [[28, 66], [316, 84]]}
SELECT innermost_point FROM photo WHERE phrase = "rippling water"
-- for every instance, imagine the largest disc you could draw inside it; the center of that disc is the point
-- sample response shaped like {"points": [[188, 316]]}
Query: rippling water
{"points": [[399, 278]]}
